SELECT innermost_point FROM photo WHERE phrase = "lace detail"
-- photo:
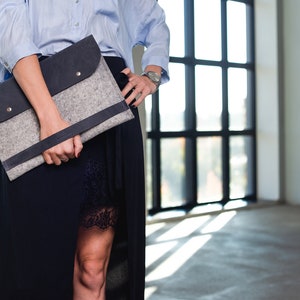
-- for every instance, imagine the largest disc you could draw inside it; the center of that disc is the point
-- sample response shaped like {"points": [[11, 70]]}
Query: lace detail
{"points": [[103, 217]]}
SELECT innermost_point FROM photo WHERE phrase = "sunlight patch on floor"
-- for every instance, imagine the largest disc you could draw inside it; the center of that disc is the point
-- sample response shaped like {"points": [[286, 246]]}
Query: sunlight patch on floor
{"points": [[152, 228], [154, 252], [218, 222], [178, 258], [183, 228], [149, 291]]}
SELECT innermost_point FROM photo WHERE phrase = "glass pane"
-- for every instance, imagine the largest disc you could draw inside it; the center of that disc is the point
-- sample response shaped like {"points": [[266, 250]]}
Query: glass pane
{"points": [[172, 100], [236, 31], [241, 166], [172, 171], [208, 29], [208, 97], [209, 169], [149, 165], [238, 99], [174, 11]]}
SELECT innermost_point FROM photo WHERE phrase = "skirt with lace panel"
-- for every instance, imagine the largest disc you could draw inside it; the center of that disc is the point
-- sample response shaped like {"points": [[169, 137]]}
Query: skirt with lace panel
{"points": [[42, 210]]}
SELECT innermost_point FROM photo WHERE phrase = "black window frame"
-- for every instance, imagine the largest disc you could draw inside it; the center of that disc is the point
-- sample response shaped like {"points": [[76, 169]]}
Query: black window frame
{"points": [[190, 133]]}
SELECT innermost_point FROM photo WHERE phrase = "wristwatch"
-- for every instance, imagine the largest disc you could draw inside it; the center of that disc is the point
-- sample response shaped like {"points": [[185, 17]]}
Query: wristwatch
{"points": [[154, 77]]}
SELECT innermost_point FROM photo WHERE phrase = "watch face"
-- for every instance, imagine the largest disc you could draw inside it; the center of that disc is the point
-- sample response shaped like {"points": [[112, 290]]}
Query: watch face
{"points": [[154, 76]]}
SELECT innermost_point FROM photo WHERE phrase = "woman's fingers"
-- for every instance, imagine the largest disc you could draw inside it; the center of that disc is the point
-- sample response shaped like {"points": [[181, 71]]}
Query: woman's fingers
{"points": [[77, 146], [64, 151], [47, 158], [139, 88]]}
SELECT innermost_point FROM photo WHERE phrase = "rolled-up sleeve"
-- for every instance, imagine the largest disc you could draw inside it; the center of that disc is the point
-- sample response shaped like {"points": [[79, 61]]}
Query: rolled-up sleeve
{"points": [[157, 42], [153, 33], [15, 33]]}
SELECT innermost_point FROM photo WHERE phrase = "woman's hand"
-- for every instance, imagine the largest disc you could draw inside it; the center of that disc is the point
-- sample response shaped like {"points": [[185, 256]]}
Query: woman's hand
{"points": [[141, 87], [64, 151]]}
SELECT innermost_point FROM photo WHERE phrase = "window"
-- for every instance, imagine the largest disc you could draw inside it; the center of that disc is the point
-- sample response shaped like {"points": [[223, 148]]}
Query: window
{"points": [[201, 125]]}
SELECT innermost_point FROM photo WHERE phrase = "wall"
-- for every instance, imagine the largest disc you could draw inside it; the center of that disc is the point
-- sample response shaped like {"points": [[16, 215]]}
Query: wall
{"points": [[268, 101], [278, 94], [291, 97]]}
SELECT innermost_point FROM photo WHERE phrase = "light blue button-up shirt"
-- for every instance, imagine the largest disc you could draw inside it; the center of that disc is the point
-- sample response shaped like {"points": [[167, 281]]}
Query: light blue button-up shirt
{"points": [[45, 27]]}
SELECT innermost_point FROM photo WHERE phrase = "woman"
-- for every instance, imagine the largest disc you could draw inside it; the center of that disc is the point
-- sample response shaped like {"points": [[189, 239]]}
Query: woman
{"points": [[73, 228]]}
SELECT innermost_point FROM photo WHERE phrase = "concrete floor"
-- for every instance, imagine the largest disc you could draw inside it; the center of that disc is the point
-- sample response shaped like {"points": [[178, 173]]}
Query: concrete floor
{"points": [[247, 254]]}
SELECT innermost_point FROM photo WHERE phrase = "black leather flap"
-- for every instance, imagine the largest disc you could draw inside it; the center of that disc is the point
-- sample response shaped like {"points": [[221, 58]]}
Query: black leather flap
{"points": [[60, 71]]}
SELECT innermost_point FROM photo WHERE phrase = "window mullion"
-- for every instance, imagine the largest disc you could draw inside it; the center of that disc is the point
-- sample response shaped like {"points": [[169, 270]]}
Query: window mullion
{"points": [[225, 112], [156, 156], [190, 115]]}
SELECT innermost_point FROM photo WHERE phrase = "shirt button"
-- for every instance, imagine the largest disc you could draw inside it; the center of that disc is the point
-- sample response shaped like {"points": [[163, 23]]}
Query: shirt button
{"points": [[76, 1], [76, 24]]}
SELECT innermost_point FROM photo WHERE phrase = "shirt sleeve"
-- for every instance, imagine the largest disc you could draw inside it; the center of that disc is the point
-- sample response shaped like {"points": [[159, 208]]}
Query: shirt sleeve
{"points": [[152, 32], [15, 33]]}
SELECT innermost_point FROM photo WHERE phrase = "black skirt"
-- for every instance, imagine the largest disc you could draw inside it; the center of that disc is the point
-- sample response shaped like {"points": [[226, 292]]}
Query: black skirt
{"points": [[40, 213]]}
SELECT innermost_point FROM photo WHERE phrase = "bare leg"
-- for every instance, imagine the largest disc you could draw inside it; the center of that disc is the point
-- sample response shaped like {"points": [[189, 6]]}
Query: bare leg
{"points": [[91, 261]]}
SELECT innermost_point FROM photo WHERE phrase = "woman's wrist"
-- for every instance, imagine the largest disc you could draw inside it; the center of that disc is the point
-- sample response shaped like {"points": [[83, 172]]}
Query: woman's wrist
{"points": [[153, 73], [48, 113]]}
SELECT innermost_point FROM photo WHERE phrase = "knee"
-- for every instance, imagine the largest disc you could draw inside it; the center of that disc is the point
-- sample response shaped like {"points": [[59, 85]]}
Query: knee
{"points": [[91, 273]]}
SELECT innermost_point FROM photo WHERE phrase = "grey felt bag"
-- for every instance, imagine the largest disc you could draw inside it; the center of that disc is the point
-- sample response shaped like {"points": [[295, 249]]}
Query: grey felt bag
{"points": [[85, 93]]}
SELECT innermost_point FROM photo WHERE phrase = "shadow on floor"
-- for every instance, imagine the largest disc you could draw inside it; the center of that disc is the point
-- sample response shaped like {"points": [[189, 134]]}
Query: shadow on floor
{"points": [[250, 254]]}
